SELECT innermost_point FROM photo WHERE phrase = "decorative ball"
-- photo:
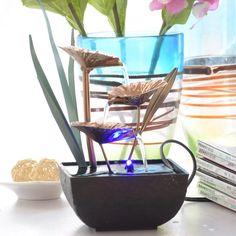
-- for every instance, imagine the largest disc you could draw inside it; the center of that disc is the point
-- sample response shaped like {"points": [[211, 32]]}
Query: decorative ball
{"points": [[31, 170], [22, 170], [45, 170]]}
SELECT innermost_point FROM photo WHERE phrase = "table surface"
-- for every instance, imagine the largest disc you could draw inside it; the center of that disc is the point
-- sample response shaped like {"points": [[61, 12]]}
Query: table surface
{"points": [[56, 217]]}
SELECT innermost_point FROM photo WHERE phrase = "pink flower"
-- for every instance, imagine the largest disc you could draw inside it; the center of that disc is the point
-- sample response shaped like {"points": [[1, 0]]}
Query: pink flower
{"points": [[201, 7], [172, 6]]}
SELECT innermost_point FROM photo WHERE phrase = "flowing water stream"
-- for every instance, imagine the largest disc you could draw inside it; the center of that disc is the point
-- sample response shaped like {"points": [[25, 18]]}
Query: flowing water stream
{"points": [[126, 82], [142, 150], [138, 137]]}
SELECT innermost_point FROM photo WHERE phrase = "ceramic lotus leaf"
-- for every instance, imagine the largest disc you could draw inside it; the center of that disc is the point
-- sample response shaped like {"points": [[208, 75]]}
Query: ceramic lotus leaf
{"points": [[134, 93], [105, 132], [91, 59]]}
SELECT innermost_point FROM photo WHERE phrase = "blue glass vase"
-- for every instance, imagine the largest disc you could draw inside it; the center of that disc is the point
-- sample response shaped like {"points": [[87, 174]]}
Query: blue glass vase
{"points": [[145, 57]]}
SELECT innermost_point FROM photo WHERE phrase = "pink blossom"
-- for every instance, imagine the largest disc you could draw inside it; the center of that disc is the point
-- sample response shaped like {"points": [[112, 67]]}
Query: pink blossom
{"points": [[172, 6], [201, 7]]}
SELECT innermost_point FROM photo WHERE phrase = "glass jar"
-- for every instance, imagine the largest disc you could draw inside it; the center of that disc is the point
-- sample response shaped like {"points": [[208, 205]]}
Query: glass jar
{"points": [[208, 103]]}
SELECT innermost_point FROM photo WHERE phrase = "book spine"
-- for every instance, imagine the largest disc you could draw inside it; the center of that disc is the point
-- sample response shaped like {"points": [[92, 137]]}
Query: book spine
{"points": [[217, 196], [216, 170], [216, 159], [213, 152], [217, 184]]}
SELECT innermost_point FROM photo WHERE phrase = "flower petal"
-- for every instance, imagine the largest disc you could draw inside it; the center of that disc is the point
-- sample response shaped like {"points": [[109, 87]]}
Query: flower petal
{"points": [[213, 4], [156, 5], [200, 9], [176, 6]]}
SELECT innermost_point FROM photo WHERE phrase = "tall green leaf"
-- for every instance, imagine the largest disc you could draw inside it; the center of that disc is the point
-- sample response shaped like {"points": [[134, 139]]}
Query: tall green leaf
{"points": [[68, 90], [71, 76], [61, 7], [119, 11], [70, 103], [56, 110], [71, 82]]}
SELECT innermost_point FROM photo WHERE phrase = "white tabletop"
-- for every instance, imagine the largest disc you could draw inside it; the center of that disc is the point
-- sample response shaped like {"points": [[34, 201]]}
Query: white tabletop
{"points": [[56, 218]]}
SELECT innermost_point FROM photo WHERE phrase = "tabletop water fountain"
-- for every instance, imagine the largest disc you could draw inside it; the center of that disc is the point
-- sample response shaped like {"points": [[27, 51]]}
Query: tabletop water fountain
{"points": [[124, 194]]}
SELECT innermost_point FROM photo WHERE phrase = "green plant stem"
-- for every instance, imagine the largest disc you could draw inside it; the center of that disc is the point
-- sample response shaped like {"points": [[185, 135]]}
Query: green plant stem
{"points": [[77, 20], [155, 55], [164, 29], [157, 48], [117, 21], [161, 32]]}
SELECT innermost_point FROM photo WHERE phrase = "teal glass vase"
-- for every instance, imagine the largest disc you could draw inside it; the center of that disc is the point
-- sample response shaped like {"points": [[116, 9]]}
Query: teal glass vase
{"points": [[142, 55], [145, 58]]}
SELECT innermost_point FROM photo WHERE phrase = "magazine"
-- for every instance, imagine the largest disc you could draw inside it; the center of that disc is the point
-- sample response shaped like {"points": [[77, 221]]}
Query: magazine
{"points": [[217, 196], [217, 183], [216, 170], [216, 155]]}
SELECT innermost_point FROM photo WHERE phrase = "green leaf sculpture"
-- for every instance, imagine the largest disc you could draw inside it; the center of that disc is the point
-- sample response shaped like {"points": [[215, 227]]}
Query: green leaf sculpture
{"points": [[56, 110], [71, 135]]}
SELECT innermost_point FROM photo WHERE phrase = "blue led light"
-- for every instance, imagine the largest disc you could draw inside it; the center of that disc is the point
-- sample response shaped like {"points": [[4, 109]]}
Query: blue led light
{"points": [[129, 166], [128, 163], [117, 134]]}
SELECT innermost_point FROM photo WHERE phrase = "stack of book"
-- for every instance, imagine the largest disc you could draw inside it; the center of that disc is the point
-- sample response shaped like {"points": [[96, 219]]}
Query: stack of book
{"points": [[217, 175]]}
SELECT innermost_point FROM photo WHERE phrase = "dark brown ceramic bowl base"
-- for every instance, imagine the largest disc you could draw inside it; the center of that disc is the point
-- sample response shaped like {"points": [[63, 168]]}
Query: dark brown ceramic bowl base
{"points": [[124, 202]]}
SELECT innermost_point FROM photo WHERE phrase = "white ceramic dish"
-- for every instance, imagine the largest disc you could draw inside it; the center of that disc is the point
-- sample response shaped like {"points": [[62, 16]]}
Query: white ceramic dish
{"points": [[35, 190]]}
